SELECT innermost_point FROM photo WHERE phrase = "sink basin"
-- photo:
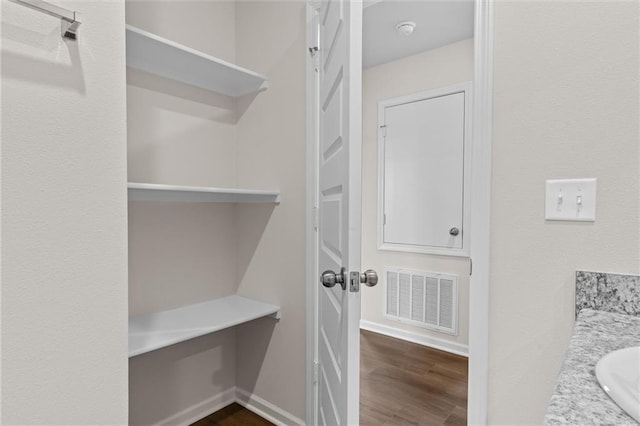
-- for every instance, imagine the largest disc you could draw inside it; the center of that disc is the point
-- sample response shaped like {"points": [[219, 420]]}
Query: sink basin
{"points": [[619, 375]]}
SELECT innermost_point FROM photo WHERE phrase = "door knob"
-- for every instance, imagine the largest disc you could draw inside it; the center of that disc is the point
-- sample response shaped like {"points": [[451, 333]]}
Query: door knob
{"points": [[330, 279], [369, 278], [454, 231]]}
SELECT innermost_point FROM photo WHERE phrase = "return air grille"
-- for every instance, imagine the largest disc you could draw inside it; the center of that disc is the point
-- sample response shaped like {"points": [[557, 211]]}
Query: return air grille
{"points": [[422, 298]]}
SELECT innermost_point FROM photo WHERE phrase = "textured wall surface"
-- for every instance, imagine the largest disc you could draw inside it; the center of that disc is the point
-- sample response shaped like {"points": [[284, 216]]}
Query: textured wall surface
{"points": [[565, 106], [429, 70], [64, 212]]}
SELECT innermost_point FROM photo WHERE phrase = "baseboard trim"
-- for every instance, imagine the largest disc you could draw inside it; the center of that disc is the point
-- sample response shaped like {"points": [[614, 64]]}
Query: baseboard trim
{"points": [[253, 403], [265, 409], [432, 342], [201, 410]]}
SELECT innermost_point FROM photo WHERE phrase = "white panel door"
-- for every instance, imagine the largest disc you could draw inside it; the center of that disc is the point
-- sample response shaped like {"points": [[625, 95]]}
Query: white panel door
{"points": [[424, 169], [339, 103]]}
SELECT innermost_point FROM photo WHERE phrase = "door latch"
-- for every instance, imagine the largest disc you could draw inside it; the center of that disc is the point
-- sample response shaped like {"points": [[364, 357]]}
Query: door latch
{"points": [[368, 278], [354, 281]]}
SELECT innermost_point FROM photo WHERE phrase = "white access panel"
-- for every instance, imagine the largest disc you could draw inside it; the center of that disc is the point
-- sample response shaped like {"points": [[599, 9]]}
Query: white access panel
{"points": [[423, 173]]}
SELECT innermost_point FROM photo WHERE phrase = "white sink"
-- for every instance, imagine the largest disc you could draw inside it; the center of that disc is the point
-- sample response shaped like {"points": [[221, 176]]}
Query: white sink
{"points": [[619, 375]]}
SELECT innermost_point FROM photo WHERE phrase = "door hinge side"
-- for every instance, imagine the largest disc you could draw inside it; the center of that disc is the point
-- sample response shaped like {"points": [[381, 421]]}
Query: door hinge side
{"points": [[315, 219], [315, 4], [470, 266], [313, 51], [383, 129], [384, 218], [316, 372]]}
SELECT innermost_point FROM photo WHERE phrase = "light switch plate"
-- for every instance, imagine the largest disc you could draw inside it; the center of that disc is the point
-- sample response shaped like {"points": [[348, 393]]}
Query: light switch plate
{"points": [[571, 200]]}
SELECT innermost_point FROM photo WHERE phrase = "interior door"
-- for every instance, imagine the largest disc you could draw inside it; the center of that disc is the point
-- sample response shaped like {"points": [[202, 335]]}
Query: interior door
{"points": [[339, 103]]}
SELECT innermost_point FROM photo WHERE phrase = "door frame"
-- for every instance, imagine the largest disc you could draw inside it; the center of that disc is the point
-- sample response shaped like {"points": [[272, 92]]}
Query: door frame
{"points": [[480, 225], [480, 248], [311, 215]]}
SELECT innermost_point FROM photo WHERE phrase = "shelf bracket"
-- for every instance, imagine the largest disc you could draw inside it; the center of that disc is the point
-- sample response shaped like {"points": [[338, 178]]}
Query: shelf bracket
{"points": [[69, 19], [276, 315]]}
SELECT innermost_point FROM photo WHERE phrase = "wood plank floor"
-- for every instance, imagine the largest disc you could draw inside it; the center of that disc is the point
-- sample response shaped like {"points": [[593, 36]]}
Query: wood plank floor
{"points": [[233, 415], [401, 383]]}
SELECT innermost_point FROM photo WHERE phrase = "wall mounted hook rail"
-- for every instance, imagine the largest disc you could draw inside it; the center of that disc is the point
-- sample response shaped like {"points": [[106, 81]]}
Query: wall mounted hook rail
{"points": [[70, 20]]}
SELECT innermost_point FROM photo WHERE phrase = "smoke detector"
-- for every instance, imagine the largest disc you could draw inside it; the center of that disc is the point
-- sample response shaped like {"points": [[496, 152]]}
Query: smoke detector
{"points": [[406, 28]]}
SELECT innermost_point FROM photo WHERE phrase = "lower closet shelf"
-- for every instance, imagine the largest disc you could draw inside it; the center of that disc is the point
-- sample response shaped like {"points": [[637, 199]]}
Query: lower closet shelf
{"points": [[159, 329]]}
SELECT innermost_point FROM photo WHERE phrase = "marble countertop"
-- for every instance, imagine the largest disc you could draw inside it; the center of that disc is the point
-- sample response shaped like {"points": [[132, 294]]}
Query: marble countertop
{"points": [[578, 398]]}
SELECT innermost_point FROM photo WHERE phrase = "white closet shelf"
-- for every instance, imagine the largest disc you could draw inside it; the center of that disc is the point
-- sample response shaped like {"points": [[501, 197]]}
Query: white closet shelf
{"points": [[199, 194], [158, 330], [154, 54]]}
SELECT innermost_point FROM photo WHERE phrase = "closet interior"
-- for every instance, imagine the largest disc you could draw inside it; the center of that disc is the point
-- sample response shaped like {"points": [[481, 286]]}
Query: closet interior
{"points": [[205, 222]]}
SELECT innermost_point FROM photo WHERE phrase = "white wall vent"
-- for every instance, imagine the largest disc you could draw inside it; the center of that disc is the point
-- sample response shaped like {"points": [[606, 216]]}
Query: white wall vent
{"points": [[422, 298]]}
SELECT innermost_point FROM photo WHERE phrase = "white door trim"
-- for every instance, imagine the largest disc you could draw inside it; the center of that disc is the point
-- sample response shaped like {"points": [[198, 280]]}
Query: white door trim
{"points": [[479, 285], [311, 221], [480, 218]]}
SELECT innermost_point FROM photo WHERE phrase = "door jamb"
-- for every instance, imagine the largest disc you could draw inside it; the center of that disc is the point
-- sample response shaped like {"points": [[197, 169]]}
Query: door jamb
{"points": [[479, 285], [477, 413], [311, 219]]}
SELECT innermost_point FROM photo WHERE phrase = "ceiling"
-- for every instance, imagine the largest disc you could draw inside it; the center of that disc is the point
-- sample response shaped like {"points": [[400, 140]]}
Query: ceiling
{"points": [[438, 23]]}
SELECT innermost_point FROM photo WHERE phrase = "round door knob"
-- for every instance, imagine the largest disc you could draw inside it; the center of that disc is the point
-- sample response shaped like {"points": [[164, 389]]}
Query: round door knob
{"points": [[330, 279], [454, 231], [369, 278]]}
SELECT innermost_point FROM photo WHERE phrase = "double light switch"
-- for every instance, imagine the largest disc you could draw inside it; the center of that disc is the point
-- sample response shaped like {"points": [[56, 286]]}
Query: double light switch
{"points": [[571, 199]]}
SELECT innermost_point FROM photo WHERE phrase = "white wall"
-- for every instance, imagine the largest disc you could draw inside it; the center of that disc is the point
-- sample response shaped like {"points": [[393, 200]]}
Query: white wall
{"points": [[565, 106], [181, 134], [64, 242], [271, 154], [181, 253], [429, 70]]}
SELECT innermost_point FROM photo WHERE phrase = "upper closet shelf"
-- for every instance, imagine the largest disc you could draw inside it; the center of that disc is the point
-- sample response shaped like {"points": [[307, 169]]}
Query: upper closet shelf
{"points": [[199, 194], [151, 53], [160, 329]]}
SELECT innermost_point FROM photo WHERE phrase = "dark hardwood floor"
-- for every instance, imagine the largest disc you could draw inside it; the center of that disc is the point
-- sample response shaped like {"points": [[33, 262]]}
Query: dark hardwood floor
{"points": [[233, 415], [401, 383]]}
